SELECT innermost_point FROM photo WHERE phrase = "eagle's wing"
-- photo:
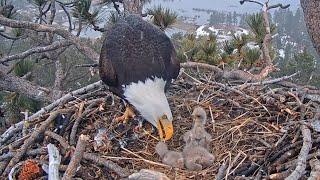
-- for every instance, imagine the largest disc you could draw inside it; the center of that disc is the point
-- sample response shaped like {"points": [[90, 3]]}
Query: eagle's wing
{"points": [[162, 44], [174, 65]]}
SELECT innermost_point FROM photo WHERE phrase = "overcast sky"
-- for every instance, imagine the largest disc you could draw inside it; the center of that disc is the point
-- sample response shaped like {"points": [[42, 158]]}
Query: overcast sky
{"points": [[221, 5]]}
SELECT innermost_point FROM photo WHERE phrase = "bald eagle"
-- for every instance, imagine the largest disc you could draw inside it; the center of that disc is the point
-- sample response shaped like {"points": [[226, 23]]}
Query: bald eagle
{"points": [[138, 62]]}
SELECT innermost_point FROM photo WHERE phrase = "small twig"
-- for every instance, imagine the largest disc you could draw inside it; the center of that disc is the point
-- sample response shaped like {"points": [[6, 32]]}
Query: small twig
{"points": [[143, 159], [212, 120], [262, 141], [283, 137], [76, 158], [87, 65], [54, 162]]}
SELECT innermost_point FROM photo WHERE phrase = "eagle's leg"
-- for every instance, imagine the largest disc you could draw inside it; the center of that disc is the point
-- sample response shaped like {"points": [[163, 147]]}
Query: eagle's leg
{"points": [[128, 114]]}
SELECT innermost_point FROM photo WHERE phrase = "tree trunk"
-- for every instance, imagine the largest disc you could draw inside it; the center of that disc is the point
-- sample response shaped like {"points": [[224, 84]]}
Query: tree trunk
{"points": [[311, 9]]}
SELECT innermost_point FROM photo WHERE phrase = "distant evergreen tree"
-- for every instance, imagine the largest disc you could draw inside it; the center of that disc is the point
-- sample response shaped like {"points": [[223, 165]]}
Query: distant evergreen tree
{"points": [[229, 18], [235, 19], [243, 22]]}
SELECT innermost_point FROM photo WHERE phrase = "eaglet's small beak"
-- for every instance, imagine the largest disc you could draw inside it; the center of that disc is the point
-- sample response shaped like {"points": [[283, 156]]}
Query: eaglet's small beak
{"points": [[165, 128]]}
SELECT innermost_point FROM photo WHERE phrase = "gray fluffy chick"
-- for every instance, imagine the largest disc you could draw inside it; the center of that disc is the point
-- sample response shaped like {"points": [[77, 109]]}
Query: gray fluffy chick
{"points": [[171, 158], [197, 158], [198, 135]]}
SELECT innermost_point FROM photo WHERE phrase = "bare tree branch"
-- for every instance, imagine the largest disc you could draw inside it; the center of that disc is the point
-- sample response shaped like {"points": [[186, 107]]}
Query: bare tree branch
{"points": [[53, 46], [279, 5], [11, 37], [253, 1], [87, 51], [68, 16]]}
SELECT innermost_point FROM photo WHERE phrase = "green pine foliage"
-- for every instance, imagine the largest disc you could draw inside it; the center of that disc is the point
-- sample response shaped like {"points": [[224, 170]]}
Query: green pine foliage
{"points": [[22, 67], [81, 11], [162, 17], [255, 23]]}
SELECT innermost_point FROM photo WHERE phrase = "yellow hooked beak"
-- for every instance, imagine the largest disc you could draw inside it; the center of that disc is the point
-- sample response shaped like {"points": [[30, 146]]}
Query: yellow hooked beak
{"points": [[165, 128]]}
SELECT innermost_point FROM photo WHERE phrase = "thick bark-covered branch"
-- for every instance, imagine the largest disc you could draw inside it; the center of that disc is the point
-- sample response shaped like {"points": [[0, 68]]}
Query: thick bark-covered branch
{"points": [[13, 83], [267, 38], [302, 159], [76, 158], [231, 74], [311, 12], [53, 46], [87, 51]]}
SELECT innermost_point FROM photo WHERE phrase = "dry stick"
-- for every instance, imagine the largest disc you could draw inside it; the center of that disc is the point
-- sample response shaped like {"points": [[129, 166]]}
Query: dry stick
{"points": [[76, 158], [281, 175], [284, 149], [90, 156], [292, 163], [106, 163], [58, 138], [32, 152], [302, 158], [271, 81], [315, 169], [36, 133], [64, 99], [40, 49]]}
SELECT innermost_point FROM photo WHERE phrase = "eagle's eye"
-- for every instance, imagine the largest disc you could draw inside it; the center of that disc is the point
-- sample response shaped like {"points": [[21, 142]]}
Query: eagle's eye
{"points": [[164, 117]]}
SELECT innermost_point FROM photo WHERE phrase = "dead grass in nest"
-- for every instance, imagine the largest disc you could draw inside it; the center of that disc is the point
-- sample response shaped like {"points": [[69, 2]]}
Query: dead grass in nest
{"points": [[247, 132]]}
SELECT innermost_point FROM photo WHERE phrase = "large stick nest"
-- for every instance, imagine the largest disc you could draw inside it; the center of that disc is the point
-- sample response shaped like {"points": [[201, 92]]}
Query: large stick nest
{"points": [[256, 132]]}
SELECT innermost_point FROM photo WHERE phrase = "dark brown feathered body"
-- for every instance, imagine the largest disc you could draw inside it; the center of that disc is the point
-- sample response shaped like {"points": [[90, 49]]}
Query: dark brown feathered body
{"points": [[135, 50]]}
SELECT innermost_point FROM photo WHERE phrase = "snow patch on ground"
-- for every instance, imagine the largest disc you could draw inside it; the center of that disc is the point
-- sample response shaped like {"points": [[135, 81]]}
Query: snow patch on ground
{"points": [[223, 32], [200, 31], [281, 53]]}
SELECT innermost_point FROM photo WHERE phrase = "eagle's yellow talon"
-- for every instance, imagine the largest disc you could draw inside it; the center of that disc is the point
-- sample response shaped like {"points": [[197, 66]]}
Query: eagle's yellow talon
{"points": [[128, 114]]}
